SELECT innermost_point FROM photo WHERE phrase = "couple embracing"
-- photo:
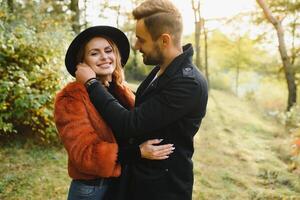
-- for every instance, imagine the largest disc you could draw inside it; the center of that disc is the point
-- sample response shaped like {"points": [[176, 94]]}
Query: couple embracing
{"points": [[125, 146]]}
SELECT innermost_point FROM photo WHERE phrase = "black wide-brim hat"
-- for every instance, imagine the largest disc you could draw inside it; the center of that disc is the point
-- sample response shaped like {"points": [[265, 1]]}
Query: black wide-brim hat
{"points": [[116, 35]]}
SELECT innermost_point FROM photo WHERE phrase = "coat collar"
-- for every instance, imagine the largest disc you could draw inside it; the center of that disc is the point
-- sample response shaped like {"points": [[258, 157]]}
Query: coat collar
{"points": [[173, 67], [177, 62]]}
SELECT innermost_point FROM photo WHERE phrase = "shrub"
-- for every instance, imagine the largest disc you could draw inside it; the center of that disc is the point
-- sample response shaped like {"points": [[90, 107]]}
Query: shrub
{"points": [[136, 71], [31, 59]]}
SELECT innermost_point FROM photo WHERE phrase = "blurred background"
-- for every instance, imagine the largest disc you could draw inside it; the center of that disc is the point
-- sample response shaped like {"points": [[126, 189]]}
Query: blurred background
{"points": [[249, 142]]}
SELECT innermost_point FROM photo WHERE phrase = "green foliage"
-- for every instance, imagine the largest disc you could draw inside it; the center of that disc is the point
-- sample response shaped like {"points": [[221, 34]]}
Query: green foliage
{"points": [[287, 11], [135, 69], [231, 56], [30, 71], [241, 51]]}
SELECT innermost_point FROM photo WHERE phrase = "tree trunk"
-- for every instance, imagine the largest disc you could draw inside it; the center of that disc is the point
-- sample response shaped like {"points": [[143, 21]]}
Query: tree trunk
{"points": [[74, 7], [294, 28], [197, 44], [197, 18], [131, 37], [206, 52], [118, 10], [288, 70], [85, 23]]}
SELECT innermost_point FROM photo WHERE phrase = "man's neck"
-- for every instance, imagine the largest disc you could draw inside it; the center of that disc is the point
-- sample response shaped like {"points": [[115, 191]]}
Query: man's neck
{"points": [[172, 54]]}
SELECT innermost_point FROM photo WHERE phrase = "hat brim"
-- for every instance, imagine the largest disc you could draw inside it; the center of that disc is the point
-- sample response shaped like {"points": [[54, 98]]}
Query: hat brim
{"points": [[116, 35]]}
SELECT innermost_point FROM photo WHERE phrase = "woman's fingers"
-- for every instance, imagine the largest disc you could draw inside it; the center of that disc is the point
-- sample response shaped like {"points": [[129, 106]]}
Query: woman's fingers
{"points": [[163, 147], [154, 141], [151, 150], [163, 152]]}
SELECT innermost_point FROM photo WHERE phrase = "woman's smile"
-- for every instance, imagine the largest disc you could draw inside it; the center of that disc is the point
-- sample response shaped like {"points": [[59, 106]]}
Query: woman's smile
{"points": [[105, 65]]}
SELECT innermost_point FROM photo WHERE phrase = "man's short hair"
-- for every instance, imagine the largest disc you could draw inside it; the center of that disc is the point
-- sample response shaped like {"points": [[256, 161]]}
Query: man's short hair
{"points": [[160, 16]]}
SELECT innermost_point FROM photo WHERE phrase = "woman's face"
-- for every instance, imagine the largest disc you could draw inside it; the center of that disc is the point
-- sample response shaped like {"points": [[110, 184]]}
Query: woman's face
{"points": [[99, 55]]}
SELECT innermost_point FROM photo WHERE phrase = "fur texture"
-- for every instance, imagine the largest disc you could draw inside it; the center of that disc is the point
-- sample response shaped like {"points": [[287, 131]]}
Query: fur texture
{"points": [[89, 141]]}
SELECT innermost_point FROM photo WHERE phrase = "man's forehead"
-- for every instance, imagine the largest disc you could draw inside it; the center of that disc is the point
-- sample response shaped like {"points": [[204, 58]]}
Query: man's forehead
{"points": [[141, 30], [140, 25]]}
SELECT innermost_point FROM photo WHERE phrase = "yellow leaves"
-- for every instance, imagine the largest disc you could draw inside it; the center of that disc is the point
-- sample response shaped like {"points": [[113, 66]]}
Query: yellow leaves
{"points": [[2, 14], [296, 132], [295, 154], [3, 106], [292, 166]]}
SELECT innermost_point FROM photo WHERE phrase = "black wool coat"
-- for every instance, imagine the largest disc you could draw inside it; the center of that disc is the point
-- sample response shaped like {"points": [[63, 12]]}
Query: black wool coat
{"points": [[170, 108]]}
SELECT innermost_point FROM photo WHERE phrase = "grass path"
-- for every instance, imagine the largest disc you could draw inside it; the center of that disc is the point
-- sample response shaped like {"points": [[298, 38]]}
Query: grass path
{"points": [[239, 154]]}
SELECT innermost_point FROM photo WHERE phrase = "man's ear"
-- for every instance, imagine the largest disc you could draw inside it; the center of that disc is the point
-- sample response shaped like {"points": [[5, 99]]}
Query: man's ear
{"points": [[166, 39]]}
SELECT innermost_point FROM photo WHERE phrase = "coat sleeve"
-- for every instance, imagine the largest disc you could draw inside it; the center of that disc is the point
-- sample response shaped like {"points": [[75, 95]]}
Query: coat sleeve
{"points": [[86, 151], [180, 97]]}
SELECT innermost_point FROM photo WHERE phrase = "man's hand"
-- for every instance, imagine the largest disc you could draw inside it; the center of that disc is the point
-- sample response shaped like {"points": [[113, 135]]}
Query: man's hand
{"points": [[156, 152], [84, 73]]}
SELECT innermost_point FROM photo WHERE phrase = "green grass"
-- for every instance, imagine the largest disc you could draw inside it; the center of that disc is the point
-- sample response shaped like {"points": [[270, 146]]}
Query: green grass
{"points": [[32, 172], [239, 154]]}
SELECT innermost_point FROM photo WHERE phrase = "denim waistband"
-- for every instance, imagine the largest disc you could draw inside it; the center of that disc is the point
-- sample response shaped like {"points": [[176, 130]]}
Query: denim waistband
{"points": [[94, 182]]}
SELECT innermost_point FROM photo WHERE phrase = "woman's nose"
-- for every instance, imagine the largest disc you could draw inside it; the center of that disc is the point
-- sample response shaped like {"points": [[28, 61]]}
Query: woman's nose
{"points": [[103, 56]]}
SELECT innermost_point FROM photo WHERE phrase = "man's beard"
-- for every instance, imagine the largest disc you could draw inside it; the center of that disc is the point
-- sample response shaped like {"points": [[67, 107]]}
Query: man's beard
{"points": [[156, 58]]}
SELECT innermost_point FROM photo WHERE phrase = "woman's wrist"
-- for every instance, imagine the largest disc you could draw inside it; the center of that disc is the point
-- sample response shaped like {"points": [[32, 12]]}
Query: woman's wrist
{"points": [[90, 82]]}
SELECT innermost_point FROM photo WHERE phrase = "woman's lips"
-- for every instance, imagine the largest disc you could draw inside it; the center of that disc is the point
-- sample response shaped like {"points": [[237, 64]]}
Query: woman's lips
{"points": [[104, 65]]}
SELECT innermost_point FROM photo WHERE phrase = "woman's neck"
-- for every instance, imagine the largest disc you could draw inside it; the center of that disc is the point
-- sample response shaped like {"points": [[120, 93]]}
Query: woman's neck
{"points": [[105, 80]]}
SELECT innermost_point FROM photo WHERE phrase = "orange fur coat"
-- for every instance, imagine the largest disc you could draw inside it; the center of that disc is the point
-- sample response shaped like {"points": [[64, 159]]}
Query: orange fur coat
{"points": [[90, 144]]}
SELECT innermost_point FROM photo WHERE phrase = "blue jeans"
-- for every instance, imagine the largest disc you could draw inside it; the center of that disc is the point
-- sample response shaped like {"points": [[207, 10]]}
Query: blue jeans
{"points": [[88, 189]]}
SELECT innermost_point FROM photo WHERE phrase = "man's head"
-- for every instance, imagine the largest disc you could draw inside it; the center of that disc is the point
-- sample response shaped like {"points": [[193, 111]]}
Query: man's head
{"points": [[159, 27]]}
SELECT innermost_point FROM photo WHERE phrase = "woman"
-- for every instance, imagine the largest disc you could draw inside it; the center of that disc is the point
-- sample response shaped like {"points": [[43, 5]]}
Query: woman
{"points": [[93, 153]]}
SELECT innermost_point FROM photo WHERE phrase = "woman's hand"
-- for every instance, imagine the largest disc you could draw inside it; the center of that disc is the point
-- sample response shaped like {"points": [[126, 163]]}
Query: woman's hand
{"points": [[84, 73], [150, 150]]}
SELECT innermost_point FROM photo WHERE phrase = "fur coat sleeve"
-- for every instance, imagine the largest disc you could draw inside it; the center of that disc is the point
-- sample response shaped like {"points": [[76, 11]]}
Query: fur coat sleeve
{"points": [[91, 147]]}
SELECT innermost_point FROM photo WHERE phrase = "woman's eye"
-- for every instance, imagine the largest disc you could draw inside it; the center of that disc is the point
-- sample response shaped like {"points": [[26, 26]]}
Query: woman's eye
{"points": [[108, 50], [94, 53]]}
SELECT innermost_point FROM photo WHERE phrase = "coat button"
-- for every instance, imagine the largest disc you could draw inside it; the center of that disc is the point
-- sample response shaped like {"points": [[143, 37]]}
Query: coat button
{"points": [[188, 69]]}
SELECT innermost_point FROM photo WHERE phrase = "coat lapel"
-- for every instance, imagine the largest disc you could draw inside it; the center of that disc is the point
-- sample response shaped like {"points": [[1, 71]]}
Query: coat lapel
{"points": [[144, 91], [143, 86]]}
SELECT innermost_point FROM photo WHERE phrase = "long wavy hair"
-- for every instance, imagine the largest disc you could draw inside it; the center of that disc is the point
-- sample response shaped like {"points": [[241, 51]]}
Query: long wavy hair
{"points": [[118, 75]]}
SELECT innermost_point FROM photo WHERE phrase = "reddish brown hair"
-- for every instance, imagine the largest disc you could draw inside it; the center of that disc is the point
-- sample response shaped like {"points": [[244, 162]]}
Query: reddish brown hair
{"points": [[118, 76]]}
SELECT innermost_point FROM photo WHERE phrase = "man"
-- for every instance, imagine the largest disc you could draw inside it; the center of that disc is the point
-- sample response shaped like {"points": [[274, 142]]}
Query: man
{"points": [[170, 104]]}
